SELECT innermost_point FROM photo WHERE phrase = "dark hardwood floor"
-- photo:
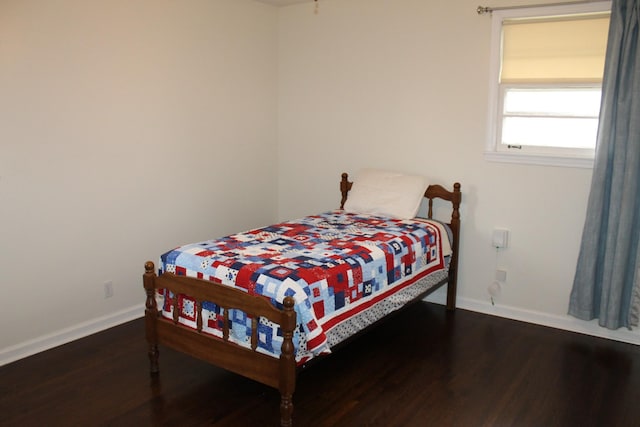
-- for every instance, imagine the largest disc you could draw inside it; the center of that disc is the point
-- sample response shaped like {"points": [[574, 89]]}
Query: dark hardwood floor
{"points": [[423, 367]]}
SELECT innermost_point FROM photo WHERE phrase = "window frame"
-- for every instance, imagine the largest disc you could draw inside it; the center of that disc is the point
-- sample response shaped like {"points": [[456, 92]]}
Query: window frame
{"points": [[548, 156]]}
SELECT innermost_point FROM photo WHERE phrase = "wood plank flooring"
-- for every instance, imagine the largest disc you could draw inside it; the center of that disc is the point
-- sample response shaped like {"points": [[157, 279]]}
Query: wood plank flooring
{"points": [[423, 367]]}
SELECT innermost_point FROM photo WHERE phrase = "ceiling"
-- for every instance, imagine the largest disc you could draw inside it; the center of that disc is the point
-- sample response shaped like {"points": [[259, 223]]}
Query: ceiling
{"points": [[283, 2]]}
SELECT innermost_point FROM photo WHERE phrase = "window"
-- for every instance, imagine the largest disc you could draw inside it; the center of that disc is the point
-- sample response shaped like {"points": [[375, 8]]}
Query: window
{"points": [[546, 79]]}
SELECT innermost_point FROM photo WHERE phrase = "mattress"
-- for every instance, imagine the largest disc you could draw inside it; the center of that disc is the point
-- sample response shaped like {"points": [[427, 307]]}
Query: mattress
{"points": [[344, 271]]}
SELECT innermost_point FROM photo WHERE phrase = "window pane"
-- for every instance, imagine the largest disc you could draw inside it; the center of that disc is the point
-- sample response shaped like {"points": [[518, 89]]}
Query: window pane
{"points": [[553, 102], [550, 132]]}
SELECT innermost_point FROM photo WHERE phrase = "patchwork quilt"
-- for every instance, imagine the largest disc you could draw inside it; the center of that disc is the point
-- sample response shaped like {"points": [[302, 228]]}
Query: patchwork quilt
{"points": [[338, 266]]}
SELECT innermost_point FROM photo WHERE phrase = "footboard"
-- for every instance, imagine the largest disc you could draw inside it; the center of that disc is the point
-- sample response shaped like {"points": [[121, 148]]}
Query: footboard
{"points": [[280, 373], [277, 373]]}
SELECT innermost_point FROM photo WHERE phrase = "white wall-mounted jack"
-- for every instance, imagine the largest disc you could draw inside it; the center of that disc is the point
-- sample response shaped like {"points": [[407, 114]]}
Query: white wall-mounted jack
{"points": [[501, 275], [500, 238], [108, 289]]}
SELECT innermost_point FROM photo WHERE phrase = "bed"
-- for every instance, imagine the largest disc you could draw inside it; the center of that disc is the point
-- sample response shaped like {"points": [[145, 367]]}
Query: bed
{"points": [[264, 303]]}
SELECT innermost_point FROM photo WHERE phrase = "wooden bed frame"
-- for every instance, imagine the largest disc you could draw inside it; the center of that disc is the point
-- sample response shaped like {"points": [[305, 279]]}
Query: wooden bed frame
{"points": [[278, 373]]}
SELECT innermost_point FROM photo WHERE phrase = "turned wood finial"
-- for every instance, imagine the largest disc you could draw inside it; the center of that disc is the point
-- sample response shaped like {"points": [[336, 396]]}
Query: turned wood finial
{"points": [[149, 267], [289, 302], [457, 200], [345, 186], [457, 194]]}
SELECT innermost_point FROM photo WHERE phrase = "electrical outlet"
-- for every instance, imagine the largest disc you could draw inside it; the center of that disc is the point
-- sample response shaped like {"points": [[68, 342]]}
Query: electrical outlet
{"points": [[108, 289]]}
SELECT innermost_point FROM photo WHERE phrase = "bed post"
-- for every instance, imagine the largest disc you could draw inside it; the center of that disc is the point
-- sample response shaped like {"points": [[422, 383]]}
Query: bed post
{"points": [[453, 267], [345, 186], [287, 363], [151, 315]]}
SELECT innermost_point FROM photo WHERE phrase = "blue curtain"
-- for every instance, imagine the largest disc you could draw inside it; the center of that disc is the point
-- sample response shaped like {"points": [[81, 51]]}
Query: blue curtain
{"points": [[606, 284]]}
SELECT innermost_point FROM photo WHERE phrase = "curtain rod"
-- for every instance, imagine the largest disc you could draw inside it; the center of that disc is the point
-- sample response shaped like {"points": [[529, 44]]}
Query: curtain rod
{"points": [[488, 9]]}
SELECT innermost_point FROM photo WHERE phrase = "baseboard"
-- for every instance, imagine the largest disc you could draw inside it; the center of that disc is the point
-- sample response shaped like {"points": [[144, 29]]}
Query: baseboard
{"points": [[64, 336], [567, 323]]}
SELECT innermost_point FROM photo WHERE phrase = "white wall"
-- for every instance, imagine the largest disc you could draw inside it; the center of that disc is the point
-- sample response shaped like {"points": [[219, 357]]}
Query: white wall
{"points": [[108, 108], [205, 107], [403, 84]]}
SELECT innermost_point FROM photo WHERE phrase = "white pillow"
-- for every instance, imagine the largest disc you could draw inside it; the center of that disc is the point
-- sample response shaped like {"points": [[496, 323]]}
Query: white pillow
{"points": [[386, 193]]}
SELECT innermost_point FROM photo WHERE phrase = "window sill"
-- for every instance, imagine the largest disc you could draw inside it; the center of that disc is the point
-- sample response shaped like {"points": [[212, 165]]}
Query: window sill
{"points": [[540, 160]]}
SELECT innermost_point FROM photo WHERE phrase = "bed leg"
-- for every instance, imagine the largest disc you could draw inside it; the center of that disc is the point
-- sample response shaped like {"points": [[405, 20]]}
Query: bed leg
{"points": [[287, 364], [452, 283], [451, 296], [151, 316], [153, 359], [286, 411]]}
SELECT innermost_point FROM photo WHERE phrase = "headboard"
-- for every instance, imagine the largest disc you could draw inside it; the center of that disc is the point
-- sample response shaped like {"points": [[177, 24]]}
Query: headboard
{"points": [[432, 192]]}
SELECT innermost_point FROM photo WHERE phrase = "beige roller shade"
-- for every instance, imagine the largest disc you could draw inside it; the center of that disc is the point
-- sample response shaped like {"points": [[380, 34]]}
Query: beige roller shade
{"points": [[562, 49]]}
